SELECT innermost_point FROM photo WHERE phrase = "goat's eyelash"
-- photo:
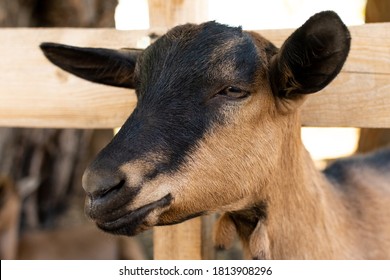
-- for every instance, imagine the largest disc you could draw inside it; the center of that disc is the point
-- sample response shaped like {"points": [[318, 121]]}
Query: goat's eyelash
{"points": [[233, 92]]}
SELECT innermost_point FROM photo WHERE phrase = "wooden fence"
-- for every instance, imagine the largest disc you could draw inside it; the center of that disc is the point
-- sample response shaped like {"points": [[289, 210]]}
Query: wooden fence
{"points": [[34, 93]]}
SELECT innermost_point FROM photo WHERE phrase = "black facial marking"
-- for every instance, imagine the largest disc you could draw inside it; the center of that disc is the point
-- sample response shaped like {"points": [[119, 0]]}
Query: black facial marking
{"points": [[176, 78], [111, 204]]}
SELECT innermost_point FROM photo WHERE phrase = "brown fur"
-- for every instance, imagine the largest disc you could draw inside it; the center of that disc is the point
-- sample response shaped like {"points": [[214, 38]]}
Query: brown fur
{"points": [[259, 245], [308, 218], [224, 232]]}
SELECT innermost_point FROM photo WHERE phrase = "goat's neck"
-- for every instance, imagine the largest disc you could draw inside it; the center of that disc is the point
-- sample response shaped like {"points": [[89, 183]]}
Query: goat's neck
{"points": [[302, 209]]}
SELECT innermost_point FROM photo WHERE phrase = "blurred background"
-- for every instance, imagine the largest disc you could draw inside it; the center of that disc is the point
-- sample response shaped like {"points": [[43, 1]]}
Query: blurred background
{"points": [[41, 198]]}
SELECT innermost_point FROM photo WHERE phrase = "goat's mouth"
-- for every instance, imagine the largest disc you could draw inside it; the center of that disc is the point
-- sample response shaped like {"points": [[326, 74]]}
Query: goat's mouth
{"points": [[135, 221]]}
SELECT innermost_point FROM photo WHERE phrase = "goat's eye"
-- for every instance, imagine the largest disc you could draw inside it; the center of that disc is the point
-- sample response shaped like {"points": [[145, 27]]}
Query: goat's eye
{"points": [[234, 93]]}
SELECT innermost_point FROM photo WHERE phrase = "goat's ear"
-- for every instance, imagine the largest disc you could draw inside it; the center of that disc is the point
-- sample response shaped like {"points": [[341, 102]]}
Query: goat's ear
{"points": [[311, 57], [104, 66]]}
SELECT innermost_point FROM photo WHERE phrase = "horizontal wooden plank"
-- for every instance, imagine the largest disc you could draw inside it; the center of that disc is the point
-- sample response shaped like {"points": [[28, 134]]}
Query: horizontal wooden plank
{"points": [[34, 93], [360, 95], [370, 48], [352, 100]]}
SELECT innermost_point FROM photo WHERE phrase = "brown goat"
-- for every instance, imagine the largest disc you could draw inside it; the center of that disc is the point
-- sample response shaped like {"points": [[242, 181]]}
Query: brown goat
{"points": [[217, 128], [77, 242]]}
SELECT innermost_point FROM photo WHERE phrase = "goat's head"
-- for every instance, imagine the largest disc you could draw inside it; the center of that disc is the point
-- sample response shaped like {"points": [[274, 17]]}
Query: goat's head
{"points": [[212, 103]]}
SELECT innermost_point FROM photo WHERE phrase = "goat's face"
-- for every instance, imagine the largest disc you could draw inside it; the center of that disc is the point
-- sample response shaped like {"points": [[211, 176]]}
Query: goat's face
{"points": [[212, 107]]}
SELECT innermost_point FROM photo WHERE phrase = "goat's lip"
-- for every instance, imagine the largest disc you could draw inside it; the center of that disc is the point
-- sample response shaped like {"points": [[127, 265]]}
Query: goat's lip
{"points": [[133, 222]]}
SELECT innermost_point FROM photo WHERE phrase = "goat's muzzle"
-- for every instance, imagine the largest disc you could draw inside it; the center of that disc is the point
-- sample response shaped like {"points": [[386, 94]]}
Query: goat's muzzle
{"points": [[109, 204]]}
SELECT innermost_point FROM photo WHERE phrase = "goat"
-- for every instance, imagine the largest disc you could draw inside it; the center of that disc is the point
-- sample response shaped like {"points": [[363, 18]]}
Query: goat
{"points": [[217, 128], [77, 242]]}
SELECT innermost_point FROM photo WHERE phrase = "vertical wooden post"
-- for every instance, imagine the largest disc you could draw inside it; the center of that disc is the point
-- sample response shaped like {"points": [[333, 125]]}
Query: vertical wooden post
{"points": [[374, 138], [181, 241], [191, 239]]}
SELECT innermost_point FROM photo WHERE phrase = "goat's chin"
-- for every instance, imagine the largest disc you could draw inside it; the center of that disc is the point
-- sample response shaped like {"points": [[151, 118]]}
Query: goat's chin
{"points": [[169, 217], [136, 221]]}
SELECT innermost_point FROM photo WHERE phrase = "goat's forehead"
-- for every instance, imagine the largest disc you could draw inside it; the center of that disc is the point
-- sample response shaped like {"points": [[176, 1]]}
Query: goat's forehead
{"points": [[200, 50], [201, 39]]}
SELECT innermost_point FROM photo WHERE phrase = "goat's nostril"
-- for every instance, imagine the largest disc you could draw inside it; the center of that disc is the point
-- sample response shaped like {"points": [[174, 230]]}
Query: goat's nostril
{"points": [[110, 189], [100, 184]]}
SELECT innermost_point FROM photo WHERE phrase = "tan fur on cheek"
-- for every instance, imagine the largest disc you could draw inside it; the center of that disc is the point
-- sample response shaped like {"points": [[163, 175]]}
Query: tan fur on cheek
{"points": [[135, 172], [154, 216], [150, 191], [219, 173]]}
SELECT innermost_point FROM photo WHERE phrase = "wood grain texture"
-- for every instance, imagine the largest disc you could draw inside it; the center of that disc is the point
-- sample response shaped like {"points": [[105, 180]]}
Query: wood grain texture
{"points": [[34, 93], [169, 13], [190, 240], [181, 242]]}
